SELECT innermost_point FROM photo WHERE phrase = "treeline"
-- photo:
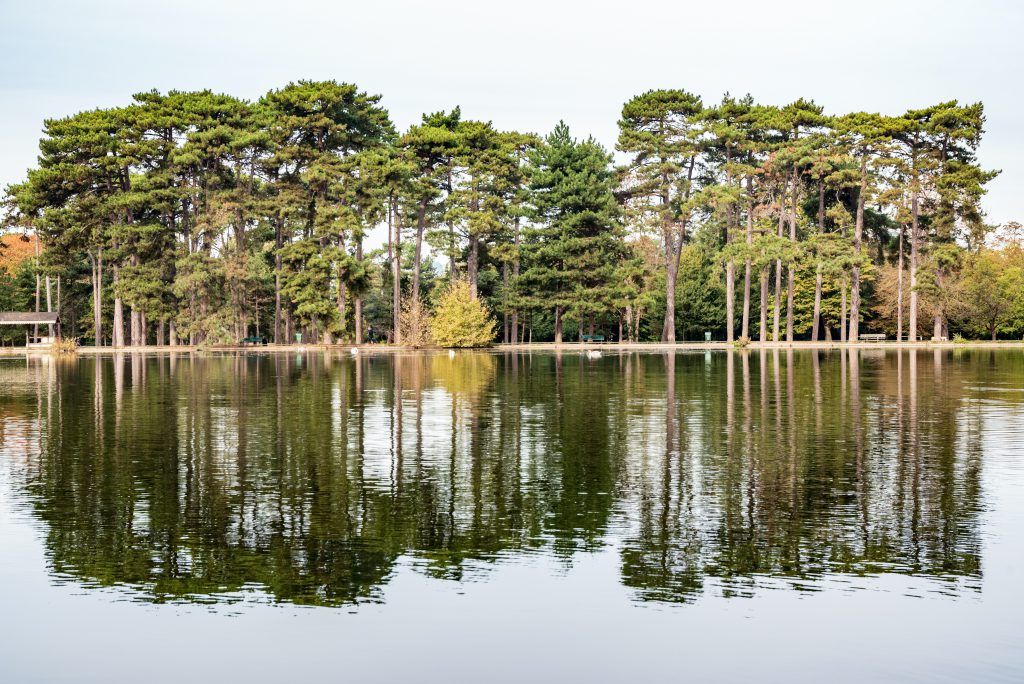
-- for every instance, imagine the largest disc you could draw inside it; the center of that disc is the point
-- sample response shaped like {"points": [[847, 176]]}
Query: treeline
{"points": [[199, 217]]}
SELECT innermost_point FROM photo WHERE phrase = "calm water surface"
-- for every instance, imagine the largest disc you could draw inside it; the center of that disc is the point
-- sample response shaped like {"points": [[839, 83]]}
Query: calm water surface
{"points": [[770, 515]]}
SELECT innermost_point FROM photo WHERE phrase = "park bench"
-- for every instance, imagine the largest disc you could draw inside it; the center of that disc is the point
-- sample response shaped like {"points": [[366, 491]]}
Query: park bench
{"points": [[254, 340], [872, 337], [592, 338]]}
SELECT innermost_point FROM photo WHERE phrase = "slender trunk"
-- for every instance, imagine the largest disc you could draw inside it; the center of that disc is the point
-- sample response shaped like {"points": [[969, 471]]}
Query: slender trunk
{"points": [[791, 274], [505, 302], [745, 332], [842, 315], [762, 331], [673, 237], [421, 224], [777, 309], [899, 285], [279, 244], [49, 305], [816, 318], [358, 313], [668, 331], [173, 333], [472, 264], [396, 273], [914, 228], [117, 338], [730, 301], [97, 300], [342, 311], [858, 235], [35, 328], [815, 331], [558, 326], [515, 279], [59, 309], [730, 275]]}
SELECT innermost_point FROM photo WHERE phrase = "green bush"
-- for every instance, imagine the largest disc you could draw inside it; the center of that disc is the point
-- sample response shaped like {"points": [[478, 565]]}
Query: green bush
{"points": [[461, 321]]}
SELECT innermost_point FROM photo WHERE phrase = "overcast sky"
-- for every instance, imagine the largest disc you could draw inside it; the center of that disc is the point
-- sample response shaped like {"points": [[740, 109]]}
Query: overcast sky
{"points": [[523, 64]]}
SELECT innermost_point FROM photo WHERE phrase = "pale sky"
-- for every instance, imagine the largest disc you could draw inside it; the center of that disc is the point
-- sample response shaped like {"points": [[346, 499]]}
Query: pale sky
{"points": [[523, 64]]}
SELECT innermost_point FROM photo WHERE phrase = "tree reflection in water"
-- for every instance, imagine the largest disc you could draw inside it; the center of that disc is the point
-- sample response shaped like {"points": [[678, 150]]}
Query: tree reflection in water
{"points": [[310, 476]]}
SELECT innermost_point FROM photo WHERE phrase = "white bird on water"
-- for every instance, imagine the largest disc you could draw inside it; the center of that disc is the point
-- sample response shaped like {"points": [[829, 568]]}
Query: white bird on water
{"points": [[353, 350], [593, 354], [451, 353]]}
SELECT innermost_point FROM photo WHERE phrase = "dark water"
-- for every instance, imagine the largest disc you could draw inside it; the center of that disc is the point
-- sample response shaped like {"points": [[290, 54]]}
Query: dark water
{"points": [[784, 516]]}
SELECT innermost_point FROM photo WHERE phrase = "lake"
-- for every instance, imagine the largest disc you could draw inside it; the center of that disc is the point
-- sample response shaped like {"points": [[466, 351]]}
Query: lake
{"points": [[845, 515]]}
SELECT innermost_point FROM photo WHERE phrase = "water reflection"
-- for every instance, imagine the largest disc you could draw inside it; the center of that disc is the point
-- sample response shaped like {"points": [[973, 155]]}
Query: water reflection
{"points": [[310, 477]]}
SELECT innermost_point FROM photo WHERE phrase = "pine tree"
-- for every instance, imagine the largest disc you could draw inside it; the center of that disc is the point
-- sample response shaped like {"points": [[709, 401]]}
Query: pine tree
{"points": [[577, 241]]}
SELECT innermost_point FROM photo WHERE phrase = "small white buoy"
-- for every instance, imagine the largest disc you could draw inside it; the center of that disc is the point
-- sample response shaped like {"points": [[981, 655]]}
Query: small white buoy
{"points": [[451, 353], [353, 351]]}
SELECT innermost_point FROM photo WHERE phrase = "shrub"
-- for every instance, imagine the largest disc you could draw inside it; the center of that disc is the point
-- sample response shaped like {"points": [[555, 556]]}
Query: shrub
{"points": [[65, 345], [741, 342], [414, 322], [461, 321]]}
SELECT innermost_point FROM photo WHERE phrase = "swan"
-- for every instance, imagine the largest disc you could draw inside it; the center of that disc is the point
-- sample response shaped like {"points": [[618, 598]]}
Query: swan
{"points": [[593, 354], [353, 351]]}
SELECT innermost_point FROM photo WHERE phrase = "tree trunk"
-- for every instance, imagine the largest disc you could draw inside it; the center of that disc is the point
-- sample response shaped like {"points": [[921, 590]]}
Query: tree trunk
{"points": [[117, 338], [745, 332], [777, 312], [816, 318], [421, 223], [558, 325], [396, 274], [358, 313], [899, 285], [762, 332], [97, 297], [60, 333], [35, 328], [173, 333], [668, 331], [842, 315], [858, 235], [730, 301], [504, 313], [515, 279], [342, 312], [914, 229], [279, 244], [472, 264], [777, 309], [49, 305], [791, 275]]}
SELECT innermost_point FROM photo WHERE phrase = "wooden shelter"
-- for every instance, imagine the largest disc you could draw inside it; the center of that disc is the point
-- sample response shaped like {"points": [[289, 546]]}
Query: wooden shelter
{"points": [[33, 320]]}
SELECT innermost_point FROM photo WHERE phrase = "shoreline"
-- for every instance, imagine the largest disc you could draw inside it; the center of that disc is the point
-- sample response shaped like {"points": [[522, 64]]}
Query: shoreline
{"points": [[519, 347]]}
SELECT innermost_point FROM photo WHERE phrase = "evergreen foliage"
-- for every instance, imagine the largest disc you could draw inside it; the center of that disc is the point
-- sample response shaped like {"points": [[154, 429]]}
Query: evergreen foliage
{"points": [[199, 217]]}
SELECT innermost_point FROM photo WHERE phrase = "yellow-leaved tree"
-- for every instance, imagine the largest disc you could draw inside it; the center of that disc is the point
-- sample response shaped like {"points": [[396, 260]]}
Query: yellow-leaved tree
{"points": [[461, 321]]}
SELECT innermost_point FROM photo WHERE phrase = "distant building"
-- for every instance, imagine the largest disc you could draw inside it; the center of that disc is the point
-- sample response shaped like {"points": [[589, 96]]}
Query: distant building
{"points": [[32, 320]]}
